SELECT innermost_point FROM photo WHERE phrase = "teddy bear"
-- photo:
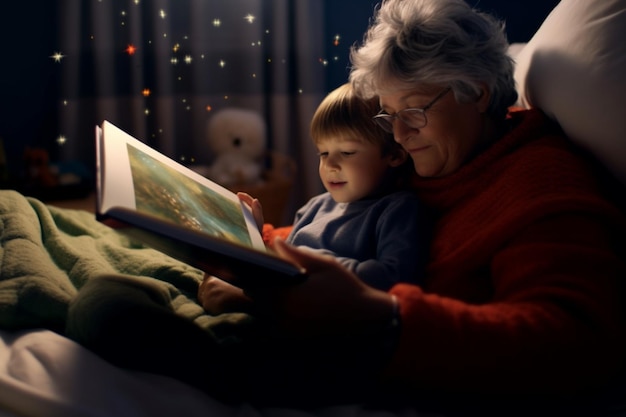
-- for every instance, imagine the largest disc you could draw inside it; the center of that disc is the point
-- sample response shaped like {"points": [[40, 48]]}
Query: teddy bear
{"points": [[237, 138]]}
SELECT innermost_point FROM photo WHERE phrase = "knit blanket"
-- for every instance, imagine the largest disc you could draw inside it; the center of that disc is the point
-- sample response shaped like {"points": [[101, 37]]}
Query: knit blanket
{"points": [[48, 253]]}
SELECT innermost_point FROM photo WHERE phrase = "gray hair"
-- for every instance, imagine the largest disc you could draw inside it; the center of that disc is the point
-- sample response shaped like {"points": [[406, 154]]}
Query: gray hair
{"points": [[415, 43]]}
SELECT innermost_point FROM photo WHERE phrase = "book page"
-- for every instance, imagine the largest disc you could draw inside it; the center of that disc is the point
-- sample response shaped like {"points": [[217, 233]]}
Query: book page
{"points": [[140, 178]]}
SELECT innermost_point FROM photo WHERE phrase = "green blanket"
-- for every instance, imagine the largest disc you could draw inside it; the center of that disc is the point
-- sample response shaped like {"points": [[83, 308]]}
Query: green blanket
{"points": [[48, 253]]}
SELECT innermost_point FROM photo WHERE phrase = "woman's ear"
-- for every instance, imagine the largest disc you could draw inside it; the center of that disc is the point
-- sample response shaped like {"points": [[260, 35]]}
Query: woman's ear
{"points": [[398, 157], [484, 98]]}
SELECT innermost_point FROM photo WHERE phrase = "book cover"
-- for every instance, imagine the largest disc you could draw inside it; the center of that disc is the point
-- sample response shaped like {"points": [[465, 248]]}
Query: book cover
{"points": [[167, 206]]}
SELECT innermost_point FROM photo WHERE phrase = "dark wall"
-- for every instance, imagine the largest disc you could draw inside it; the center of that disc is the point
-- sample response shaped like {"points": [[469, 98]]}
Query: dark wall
{"points": [[522, 18], [350, 18], [28, 77]]}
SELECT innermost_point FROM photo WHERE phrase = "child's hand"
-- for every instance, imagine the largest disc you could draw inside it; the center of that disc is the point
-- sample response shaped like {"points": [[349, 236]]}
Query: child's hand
{"points": [[217, 296], [255, 206]]}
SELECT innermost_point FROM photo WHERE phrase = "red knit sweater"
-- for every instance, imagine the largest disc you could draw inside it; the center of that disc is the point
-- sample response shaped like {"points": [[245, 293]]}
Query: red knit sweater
{"points": [[522, 284]]}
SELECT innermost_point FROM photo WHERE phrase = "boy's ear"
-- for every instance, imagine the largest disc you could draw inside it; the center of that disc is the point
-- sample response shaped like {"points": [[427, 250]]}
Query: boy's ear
{"points": [[398, 157]]}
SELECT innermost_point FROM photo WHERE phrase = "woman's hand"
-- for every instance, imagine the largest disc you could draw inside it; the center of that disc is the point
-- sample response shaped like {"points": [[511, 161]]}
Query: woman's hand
{"points": [[217, 296], [255, 206], [332, 301]]}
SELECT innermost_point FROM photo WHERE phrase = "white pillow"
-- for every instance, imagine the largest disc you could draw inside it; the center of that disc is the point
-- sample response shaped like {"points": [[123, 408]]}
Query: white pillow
{"points": [[574, 70]]}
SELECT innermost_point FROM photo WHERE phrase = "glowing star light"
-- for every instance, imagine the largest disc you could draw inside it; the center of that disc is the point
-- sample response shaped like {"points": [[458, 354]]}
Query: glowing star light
{"points": [[336, 40], [130, 49], [146, 92], [217, 23], [57, 56], [250, 18], [162, 14], [188, 59]]}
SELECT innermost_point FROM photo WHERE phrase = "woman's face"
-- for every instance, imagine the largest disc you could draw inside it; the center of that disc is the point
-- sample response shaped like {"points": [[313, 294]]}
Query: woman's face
{"points": [[452, 134]]}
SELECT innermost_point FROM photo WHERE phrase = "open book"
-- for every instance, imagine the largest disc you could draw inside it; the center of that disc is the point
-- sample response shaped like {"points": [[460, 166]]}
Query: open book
{"points": [[175, 210]]}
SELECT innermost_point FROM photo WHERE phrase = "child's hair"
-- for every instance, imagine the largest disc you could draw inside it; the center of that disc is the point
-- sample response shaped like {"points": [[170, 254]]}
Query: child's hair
{"points": [[343, 114]]}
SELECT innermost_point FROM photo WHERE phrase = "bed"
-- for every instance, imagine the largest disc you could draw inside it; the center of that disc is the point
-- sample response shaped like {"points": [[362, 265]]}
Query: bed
{"points": [[572, 69]]}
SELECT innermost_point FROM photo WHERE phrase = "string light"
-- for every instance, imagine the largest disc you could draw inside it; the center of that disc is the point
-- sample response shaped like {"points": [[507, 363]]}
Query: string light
{"points": [[57, 56], [179, 55]]}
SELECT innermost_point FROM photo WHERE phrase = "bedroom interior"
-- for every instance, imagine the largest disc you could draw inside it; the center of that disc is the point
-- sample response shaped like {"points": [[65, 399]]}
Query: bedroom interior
{"points": [[70, 66], [161, 70]]}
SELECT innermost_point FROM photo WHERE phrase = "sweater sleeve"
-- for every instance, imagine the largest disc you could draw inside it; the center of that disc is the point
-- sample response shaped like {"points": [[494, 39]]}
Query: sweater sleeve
{"points": [[554, 322]]}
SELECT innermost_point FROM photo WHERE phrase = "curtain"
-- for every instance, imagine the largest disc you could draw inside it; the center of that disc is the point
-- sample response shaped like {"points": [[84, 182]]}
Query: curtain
{"points": [[160, 68]]}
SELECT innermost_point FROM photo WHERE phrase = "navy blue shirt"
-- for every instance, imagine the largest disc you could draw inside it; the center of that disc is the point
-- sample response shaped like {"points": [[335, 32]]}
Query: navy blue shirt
{"points": [[383, 240]]}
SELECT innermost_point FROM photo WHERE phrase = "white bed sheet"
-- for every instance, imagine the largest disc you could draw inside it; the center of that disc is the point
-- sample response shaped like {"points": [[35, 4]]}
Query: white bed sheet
{"points": [[45, 374]]}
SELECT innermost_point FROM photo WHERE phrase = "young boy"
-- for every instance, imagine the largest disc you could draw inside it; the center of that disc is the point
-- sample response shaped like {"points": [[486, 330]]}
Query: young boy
{"points": [[364, 219]]}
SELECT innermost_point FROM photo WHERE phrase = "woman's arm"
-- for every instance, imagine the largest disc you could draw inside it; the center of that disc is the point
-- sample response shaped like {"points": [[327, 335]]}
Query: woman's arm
{"points": [[553, 322], [327, 303]]}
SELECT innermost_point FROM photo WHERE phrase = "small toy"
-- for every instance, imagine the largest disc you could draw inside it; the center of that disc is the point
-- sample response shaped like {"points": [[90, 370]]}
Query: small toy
{"points": [[238, 140], [37, 169]]}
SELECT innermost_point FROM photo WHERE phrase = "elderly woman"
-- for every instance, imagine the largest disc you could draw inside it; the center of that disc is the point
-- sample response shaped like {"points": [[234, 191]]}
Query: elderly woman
{"points": [[522, 295]]}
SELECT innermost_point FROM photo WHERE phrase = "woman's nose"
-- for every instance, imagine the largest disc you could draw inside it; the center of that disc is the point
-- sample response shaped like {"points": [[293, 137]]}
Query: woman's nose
{"points": [[401, 131]]}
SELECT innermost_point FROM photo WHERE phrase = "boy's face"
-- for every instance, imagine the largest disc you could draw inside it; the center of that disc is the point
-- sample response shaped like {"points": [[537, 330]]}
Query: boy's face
{"points": [[352, 169]]}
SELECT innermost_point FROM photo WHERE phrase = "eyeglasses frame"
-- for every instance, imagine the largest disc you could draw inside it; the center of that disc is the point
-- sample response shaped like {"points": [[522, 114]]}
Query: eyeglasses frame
{"points": [[391, 117]]}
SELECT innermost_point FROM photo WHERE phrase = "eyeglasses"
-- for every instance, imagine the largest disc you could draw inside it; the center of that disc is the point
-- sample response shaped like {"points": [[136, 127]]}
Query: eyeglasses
{"points": [[412, 117]]}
